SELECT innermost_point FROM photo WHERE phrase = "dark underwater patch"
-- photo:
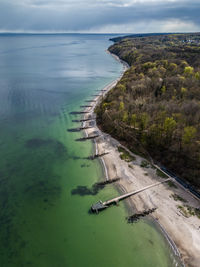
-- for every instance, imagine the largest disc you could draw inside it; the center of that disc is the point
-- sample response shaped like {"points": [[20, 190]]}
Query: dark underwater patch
{"points": [[37, 143], [84, 190], [44, 189], [55, 146], [85, 165]]}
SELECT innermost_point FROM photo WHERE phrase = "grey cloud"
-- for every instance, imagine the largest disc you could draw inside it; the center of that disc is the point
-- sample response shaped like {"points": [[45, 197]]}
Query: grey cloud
{"points": [[38, 15]]}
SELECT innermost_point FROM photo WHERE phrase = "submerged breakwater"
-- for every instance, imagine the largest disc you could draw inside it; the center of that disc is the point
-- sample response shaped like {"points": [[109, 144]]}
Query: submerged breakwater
{"points": [[45, 176]]}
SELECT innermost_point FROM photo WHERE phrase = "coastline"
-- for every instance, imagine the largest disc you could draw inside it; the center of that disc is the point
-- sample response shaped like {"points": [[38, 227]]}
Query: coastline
{"points": [[183, 234]]}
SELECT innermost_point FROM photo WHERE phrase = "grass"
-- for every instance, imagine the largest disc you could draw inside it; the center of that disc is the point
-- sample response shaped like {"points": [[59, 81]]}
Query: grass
{"points": [[188, 211], [171, 184], [144, 164], [136, 152], [153, 167], [161, 174], [178, 198], [183, 211], [124, 155]]}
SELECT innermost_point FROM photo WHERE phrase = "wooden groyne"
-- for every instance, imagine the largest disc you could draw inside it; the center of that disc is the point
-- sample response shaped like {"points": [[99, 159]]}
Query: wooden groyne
{"points": [[97, 155], [78, 112], [103, 205], [87, 106], [135, 217], [87, 138], [90, 101], [110, 181], [79, 129], [83, 120]]}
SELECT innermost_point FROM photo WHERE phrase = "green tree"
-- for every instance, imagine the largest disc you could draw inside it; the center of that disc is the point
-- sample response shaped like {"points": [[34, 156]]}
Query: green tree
{"points": [[163, 89], [121, 106], [189, 134], [144, 119], [169, 126], [173, 67], [133, 119], [197, 75], [188, 71], [125, 116], [121, 87]]}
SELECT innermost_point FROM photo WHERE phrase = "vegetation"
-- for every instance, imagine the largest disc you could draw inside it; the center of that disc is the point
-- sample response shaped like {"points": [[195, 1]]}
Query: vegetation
{"points": [[188, 211], [144, 164], [178, 198], [155, 108], [124, 155], [161, 174], [171, 184]]}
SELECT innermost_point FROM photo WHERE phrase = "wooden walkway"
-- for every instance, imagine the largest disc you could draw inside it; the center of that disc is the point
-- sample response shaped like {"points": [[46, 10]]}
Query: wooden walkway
{"points": [[102, 205]]}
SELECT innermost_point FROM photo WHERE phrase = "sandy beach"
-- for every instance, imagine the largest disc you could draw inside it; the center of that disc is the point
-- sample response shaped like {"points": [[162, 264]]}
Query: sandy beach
{"points": [[182, 228]]}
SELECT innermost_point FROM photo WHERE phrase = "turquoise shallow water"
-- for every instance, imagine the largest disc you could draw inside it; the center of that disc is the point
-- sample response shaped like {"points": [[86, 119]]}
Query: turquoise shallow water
{"points": [[42, 79]]}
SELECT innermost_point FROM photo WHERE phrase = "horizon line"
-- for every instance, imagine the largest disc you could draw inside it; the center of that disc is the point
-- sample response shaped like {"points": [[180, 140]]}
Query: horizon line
{"points": [[89, 33]]}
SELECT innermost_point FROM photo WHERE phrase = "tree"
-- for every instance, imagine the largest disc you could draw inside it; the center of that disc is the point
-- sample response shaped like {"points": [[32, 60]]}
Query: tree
{"points": [[144, 120], [197, 75], [133, 120], [125, 116], [121, 87], [173, 67], [121, 106], [163, 89], [189, 134], [188, 71], [169, 126]]}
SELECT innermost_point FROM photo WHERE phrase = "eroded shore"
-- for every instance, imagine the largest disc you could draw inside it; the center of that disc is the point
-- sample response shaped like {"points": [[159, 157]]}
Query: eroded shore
{"points": [[183, 229]]}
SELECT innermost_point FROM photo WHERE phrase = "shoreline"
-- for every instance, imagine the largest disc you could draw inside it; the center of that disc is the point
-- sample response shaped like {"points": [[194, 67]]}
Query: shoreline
{"points": [[113, 166]]}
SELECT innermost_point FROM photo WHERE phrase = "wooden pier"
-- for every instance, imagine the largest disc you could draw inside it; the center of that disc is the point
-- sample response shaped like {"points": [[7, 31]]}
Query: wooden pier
{"points": [[103, 205]]}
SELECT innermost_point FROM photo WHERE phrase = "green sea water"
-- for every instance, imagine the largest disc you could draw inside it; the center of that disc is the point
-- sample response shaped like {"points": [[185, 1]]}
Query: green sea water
{"points": [[44, 219]]}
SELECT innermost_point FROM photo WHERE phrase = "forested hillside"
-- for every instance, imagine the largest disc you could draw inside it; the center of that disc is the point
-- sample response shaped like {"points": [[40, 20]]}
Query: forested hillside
{"points": [[155, 108]]}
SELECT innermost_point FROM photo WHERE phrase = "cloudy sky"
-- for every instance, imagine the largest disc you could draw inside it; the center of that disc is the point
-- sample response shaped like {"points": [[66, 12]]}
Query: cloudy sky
{"points": [[101, 16]]}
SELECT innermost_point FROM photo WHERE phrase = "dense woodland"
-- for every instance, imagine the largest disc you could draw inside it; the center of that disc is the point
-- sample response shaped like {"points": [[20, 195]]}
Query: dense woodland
{"points": [[155, 108]]}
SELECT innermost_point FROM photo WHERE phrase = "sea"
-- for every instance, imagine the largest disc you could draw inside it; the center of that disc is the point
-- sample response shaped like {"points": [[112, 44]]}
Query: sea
{"points": [[45, 177]]}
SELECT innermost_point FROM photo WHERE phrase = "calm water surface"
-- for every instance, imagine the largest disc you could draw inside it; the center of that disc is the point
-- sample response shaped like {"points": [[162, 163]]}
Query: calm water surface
{"points": [[42, 79]]}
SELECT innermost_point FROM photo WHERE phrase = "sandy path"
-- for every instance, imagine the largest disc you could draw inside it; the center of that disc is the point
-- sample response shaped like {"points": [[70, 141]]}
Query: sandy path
{"points": [[184, 231]]}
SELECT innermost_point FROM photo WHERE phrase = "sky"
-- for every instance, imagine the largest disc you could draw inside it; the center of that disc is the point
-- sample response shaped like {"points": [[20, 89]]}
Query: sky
{"points": [[100, 16]]}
